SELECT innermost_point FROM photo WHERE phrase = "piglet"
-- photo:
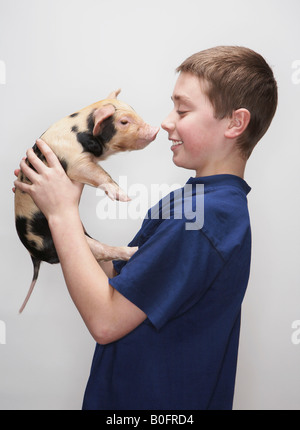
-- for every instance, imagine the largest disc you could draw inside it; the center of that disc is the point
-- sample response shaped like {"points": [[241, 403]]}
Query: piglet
{"points": [[80, 141]]}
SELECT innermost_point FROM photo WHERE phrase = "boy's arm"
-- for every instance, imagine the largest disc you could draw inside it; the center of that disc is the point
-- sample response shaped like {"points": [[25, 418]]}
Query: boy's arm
{"points": [[107, 313]]}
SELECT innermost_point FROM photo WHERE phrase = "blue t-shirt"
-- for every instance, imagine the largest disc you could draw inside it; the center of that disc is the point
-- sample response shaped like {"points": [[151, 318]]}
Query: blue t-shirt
{"points": [[190, 278]]}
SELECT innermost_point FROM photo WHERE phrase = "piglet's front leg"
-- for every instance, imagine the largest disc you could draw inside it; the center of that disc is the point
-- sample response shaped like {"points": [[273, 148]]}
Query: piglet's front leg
{"points": [[88, 172]]}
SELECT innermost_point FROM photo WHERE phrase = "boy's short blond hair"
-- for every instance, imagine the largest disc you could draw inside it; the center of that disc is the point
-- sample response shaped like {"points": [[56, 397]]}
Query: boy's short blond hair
{"points": [[235, 77]]}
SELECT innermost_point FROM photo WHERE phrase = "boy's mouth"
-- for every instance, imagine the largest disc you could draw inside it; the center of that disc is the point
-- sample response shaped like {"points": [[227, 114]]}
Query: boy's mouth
{"points": [[176, 143]]}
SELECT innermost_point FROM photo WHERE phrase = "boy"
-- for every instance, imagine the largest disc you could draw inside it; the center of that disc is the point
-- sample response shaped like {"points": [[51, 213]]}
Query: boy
{"points": [[167, 322]]}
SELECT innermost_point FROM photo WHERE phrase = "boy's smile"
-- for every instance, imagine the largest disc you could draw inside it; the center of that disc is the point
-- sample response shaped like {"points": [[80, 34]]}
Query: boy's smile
{"points": [[198, 140]]}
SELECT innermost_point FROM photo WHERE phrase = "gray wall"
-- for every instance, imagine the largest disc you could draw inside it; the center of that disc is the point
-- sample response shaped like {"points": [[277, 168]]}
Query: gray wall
{"points": [[57, 56]]}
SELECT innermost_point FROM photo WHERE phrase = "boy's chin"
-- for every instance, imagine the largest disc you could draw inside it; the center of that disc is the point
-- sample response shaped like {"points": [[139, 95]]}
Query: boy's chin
{"points": [[179, 162]]}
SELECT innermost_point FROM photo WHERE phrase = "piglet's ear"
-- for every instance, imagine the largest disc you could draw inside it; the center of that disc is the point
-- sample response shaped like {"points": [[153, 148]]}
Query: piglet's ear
{"points": [[114, 94], [100, 115]]}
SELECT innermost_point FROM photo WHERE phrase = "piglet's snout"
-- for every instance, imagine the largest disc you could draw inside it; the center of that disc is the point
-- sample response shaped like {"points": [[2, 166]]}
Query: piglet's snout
{"points": [[146, 135]]}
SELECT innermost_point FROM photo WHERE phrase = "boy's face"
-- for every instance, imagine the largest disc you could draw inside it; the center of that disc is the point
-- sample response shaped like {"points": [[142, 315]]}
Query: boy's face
{"points": [[197, 136]]}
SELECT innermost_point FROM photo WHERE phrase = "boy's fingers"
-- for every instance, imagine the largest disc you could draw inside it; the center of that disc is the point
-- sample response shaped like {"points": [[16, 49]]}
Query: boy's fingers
{"points": [[34, 161], [17, 171], [28, 171], [51, 158], [22, 186]]}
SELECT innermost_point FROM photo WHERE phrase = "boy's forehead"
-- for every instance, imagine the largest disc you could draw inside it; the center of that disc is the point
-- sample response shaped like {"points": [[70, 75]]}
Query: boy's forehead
{"points": [[180, 97], [186, 87]]}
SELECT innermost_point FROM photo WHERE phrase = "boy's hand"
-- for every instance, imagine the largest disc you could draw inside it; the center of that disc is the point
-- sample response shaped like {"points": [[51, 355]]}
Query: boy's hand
{"points": [[51, 189]]}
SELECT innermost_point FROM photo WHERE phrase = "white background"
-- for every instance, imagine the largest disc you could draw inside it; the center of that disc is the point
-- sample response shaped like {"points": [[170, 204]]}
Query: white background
{"points": [[61, 55]]}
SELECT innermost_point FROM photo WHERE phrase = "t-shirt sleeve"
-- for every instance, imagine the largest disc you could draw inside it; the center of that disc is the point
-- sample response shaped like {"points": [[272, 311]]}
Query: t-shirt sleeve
{"points": [[170, 272]]}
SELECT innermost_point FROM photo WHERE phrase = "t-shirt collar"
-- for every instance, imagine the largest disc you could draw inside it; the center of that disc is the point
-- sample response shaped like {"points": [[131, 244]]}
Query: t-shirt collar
{"points": [[221, 180]]}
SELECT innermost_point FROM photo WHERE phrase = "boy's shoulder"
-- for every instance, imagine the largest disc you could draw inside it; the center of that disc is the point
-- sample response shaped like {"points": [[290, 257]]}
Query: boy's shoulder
{"points": [[226, 216]]}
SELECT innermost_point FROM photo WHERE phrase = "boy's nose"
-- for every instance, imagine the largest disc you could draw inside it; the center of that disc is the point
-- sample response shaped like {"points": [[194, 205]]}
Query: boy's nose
{"points": [[168, 124]]}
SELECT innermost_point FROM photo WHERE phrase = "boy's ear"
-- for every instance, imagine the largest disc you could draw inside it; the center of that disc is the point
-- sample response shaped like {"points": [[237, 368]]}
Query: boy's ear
{"points": [[238, 123]]}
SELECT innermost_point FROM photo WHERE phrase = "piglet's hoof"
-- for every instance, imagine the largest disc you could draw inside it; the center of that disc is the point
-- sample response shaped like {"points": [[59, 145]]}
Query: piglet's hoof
{"points": [[114, 192], [127, 252], [103, 252]]}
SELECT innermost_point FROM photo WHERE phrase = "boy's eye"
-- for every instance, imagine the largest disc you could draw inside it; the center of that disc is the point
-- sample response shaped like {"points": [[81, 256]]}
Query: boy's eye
{"points": [[181, 112]]}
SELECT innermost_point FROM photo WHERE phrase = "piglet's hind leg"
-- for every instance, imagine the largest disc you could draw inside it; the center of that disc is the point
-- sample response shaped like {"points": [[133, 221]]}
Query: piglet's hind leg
{"points": [[104, 252]]}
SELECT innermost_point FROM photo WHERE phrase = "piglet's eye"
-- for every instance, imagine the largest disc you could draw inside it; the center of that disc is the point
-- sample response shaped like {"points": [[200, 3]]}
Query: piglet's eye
{"points": [[124, 121]]}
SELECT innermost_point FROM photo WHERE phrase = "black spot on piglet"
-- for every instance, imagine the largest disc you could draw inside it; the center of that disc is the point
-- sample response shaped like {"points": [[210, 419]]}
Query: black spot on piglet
{"points": [[21, 226], [64, 164], [96, 144], [39, 227]]}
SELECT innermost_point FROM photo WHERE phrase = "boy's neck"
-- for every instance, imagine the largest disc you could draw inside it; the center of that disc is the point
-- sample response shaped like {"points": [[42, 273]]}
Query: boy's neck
{"points": [[236, 167]]}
